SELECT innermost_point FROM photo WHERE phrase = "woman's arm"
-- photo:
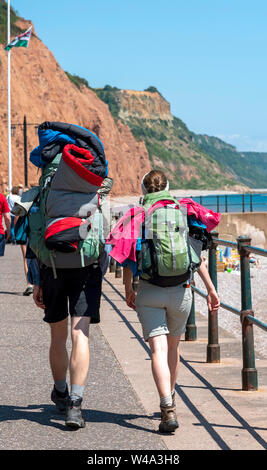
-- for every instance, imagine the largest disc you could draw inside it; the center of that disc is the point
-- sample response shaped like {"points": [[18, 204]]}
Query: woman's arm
{"points": [[212, 299], [128, 284]]}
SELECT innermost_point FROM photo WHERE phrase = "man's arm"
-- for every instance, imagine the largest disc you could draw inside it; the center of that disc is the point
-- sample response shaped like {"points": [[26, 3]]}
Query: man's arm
{"points": [[37, 287]]}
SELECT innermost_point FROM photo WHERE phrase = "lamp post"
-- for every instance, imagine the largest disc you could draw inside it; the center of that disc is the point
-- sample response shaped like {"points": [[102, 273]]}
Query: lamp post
{"points": [[25, 142]]}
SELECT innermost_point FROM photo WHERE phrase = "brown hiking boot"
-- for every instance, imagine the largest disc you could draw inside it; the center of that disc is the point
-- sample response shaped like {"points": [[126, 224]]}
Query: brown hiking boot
{"points": [[168, 419]]}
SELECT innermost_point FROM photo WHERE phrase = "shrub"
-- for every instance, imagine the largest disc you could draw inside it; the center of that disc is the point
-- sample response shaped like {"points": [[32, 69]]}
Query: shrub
{"points": [[14, 30], [78, 81]]}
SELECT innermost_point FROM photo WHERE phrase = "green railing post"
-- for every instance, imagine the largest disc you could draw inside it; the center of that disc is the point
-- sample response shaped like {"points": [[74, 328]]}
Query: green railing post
{"points": [[191, 329], [249, 371], [213, 348]]}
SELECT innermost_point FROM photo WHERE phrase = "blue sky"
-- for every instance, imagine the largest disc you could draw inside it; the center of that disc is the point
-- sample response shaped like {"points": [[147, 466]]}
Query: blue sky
{"points": [[206, 57]]}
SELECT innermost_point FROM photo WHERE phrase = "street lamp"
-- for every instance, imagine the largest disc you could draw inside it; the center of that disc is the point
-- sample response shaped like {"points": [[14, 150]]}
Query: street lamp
{"points": [[13, 131]]}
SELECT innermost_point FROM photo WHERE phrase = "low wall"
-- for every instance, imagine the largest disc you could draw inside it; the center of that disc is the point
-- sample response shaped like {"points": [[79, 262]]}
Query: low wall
{"points": [[253, 224]]}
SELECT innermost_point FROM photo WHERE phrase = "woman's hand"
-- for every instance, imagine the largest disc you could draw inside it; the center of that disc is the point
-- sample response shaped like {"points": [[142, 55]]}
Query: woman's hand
{"points": [[130, 298], [38, 296], [213, 300]]}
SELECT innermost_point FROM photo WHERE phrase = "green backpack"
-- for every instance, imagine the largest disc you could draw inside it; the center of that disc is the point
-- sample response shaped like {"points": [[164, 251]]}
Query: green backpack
{"points": [[168, 257], [89, 249]]}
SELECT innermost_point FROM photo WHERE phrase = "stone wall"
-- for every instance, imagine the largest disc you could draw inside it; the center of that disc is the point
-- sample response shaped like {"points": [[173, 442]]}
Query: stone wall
{"points": [[253, 224]]}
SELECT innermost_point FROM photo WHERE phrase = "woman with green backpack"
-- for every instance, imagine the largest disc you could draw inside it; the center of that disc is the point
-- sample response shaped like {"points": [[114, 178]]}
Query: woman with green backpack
{"points": [[164, 296]]}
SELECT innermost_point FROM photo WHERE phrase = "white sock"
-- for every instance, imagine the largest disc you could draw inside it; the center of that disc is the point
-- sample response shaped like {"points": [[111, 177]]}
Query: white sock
{"points": [[166, 401], [76, 391]]}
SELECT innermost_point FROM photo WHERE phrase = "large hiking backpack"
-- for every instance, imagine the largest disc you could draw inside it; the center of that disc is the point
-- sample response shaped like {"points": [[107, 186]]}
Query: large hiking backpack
{"points": [[63, 250], [169, 256]]}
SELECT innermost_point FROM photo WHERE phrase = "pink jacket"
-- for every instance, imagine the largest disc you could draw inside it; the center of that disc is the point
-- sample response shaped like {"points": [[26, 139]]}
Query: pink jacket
{"points": [[207, 216], [125, 233]]}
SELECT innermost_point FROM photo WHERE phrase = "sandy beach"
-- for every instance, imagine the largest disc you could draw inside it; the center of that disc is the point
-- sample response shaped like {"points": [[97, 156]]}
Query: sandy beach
{"points": [[126, 200], [119, 201]]}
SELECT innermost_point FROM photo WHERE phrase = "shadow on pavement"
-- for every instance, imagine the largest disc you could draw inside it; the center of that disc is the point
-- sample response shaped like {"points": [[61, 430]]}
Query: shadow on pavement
{"points": [[11, 293], [46, 415], [209, 427]]}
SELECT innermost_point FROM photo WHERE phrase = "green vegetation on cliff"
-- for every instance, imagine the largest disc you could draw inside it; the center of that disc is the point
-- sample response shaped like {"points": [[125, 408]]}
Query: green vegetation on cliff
{"points": [[78, 81], [108, 94], [250, 168], [170, 146], [191, 161], [14, 30]]}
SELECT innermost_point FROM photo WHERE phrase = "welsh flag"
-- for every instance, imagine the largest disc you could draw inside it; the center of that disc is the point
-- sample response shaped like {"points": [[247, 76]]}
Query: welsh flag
{"points": [[22, 40]]}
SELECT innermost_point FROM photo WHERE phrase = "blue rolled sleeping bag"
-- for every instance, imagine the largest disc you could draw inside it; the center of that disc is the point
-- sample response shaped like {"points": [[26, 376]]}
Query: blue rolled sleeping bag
{"points": [[53, 136]]}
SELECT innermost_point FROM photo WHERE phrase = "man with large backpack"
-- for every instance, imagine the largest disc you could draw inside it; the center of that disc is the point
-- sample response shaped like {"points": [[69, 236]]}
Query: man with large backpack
{"points": [[66, 234], [153, 242]]}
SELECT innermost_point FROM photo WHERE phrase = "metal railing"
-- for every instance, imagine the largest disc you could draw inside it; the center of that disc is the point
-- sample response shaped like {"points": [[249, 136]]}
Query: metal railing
{"points": [[246, 314], [245, 202]]}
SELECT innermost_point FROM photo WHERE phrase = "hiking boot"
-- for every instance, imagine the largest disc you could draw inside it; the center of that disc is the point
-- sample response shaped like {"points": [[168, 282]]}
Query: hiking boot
{"points": [[60, 399], [74, 418], [28, 290], [168, 419]]}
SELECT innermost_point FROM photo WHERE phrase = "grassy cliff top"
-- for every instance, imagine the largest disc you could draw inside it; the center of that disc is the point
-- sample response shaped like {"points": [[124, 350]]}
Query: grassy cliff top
{"points": [[14, 30]]}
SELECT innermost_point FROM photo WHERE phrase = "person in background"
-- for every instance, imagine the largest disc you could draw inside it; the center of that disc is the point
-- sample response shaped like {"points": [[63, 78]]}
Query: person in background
{"points": [[21, 189], [4, 214], [23, 247], [13, 197]]}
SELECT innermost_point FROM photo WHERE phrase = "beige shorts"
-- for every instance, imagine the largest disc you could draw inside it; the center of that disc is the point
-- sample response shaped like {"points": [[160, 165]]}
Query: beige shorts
{"points": [[163, 310]]}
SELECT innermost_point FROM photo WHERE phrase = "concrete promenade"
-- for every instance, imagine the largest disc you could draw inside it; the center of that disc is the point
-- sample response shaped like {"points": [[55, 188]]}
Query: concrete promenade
{"points": [[121, 405]]}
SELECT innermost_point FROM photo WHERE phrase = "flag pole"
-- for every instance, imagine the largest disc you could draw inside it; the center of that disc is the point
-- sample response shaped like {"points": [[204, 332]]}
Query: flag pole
{"points": [[9, 101]]}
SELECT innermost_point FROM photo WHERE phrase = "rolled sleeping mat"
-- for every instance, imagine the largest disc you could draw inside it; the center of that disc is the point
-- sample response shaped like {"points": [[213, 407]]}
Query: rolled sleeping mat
{"points": [[65, 233], [75, 173], [71, 204]]}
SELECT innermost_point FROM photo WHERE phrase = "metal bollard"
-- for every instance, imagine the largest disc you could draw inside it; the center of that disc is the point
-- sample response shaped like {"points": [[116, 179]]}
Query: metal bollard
{"points": [[112, 265], [191, 329], [118, 271], [249, 371], [135, 283], [213, 348]]}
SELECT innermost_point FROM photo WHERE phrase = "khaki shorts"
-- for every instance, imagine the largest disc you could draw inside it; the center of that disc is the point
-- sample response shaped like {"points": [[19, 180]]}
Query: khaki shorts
{"points": [[163, 310]]}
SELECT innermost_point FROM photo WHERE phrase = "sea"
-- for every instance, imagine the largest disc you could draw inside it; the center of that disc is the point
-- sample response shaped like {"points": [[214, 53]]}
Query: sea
{"points": [[247, 202]]}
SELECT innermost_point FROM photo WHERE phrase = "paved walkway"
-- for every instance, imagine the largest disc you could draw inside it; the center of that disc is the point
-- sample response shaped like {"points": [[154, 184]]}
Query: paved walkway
{"points": [[121, 403]]}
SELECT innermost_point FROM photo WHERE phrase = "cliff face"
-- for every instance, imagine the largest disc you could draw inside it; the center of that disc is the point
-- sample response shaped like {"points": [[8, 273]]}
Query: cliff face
{"points": [[41, 91], [170, 144], [143, 105], [137, 128]]}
